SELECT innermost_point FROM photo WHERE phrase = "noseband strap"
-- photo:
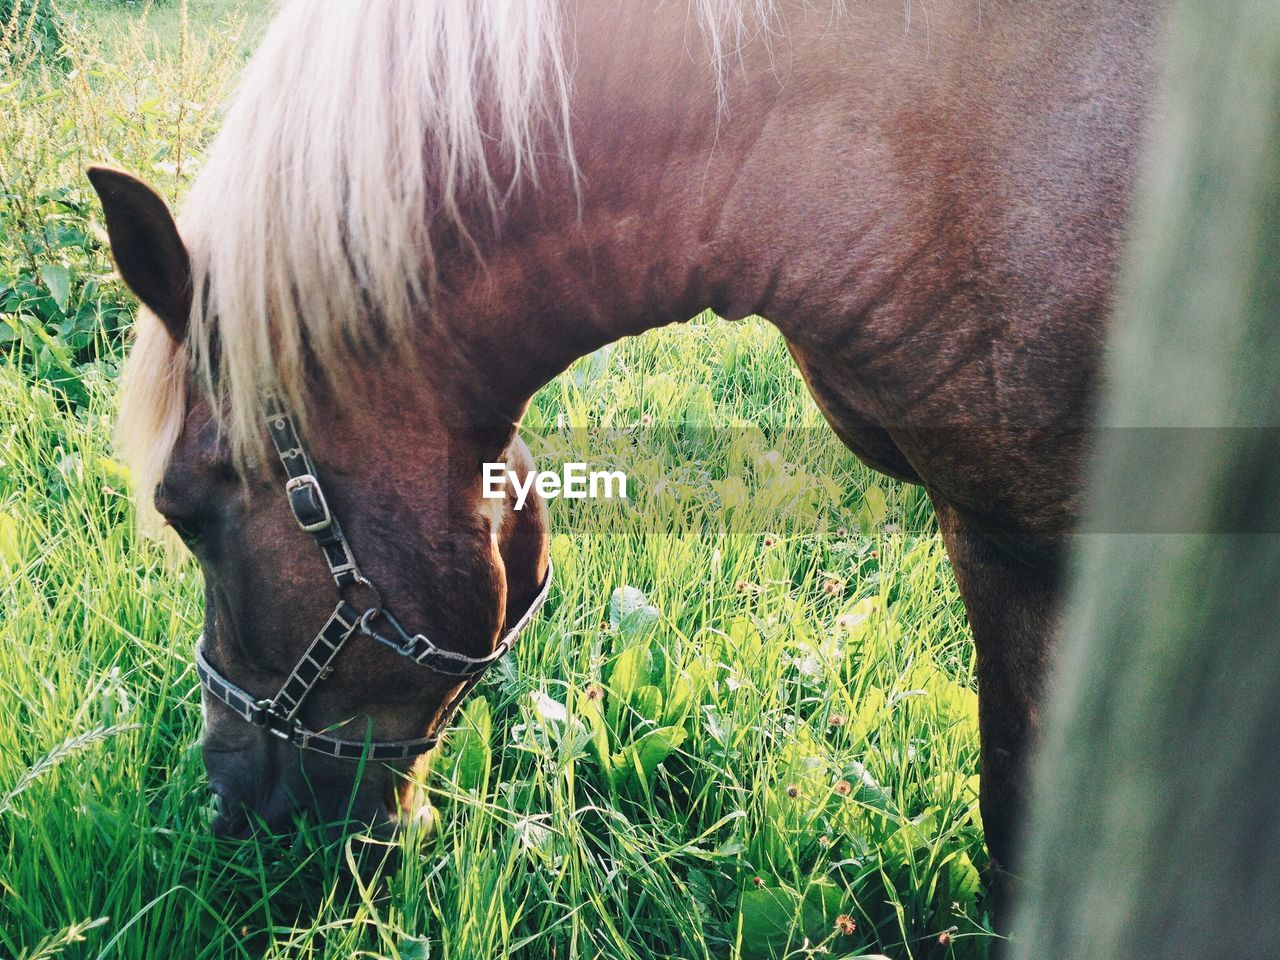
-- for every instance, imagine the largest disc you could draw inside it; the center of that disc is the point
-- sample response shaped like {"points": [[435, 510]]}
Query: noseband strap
{"points": [[279, 714]]}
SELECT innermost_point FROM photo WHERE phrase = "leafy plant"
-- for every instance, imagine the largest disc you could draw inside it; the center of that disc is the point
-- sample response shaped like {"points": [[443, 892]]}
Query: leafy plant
{"points": [[28, 29], [64, 316]]}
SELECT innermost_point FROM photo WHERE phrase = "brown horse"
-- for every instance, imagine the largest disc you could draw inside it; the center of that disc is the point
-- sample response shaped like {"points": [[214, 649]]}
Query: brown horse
{"points": [[418, 214]]}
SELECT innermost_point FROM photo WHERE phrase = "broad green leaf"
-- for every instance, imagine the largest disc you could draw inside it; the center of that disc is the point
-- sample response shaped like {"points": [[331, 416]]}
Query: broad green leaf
{"points": [[873, 499], [870, 713], [548, 709], [768, 922], [776, 921], [639, 623], [648, 703], [954, 703], [917, 833], [630, 612], [592, 715], [823, 902], [58, 280], [874, 509], [964, 878], [640, 761], [115, 472], [631, 671], [625, 600], [679, 698], [471, 751], [867, 790], [592, 367], [10, 549], [733, 493]]}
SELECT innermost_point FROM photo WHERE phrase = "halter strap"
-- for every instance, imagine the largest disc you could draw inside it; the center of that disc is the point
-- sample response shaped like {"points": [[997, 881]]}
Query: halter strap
{"points": [[278, 715], [306, 497]]}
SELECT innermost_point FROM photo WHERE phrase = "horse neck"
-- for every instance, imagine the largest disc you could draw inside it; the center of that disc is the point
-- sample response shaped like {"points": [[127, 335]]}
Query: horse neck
{"points": [[639, 239], [844, 159]]}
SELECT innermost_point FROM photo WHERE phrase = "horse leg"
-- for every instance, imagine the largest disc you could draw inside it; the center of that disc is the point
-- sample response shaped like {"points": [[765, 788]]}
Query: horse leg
{"points": [[1012, 605]]}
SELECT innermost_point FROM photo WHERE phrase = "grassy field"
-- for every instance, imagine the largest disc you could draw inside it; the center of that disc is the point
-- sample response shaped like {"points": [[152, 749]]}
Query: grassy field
{"points": [[109, 19], [744, 726]]}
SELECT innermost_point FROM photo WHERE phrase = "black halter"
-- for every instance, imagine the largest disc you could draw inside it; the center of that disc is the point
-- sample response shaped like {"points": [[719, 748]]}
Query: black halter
{"points": [[278, 715]]}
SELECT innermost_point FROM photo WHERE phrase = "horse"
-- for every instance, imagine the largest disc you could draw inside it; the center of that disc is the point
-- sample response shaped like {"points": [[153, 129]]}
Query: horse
{"points": [[415, 215]]}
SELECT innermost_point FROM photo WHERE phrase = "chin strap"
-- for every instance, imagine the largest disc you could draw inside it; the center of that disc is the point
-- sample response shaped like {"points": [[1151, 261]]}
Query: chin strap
{"points": [[278, 715]]}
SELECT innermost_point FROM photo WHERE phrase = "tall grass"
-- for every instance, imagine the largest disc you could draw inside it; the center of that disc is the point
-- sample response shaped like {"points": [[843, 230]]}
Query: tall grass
{"points": [[746, 713], [123, 99], [28, 28]]}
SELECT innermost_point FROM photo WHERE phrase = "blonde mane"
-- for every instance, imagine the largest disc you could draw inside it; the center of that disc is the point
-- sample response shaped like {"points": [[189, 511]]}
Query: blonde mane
{"points": [[358, 130]]}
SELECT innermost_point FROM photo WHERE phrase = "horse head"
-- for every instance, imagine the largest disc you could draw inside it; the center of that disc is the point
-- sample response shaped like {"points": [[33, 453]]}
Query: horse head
{"points": [[356, 580]]}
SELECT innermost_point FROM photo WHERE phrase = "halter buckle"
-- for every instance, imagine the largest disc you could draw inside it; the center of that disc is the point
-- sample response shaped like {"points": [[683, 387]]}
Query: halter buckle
{"points": [[402, 644], [265, 717], [306, 500]]}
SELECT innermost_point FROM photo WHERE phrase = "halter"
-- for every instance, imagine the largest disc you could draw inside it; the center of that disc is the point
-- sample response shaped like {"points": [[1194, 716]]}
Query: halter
{"points": [[279, 714]]}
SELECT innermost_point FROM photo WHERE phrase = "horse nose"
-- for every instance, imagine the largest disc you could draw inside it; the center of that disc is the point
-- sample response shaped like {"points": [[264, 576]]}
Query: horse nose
{"points": [[376, 823], [250, 785], [232, 819], [260, 813], [261, 784], [248, 805], [366, 807]]}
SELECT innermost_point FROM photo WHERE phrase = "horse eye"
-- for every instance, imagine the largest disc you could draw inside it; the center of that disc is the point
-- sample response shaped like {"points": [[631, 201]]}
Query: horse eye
{"points": [[188, 531]]}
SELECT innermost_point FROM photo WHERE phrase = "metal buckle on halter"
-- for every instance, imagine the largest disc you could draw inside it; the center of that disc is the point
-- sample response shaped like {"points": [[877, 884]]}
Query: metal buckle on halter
{"points": [[312, 513], [403, 644], [265, 717]]}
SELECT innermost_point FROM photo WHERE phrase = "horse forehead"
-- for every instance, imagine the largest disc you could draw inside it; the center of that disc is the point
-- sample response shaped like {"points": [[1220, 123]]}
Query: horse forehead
{"points": [[199, 439], [200, 455]]}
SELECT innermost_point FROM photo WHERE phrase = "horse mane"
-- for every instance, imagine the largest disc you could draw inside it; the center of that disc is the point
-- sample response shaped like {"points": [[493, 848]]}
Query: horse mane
{"points": [[358, 130]]}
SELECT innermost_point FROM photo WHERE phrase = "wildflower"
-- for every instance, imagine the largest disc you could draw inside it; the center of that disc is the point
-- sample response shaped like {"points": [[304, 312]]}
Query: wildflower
{"points": [[758, 881], [875, 554], [594, 693], [836, 720], [844, 787], [841, 532], [769, 541], [944, 938], [832, 587], [645, 420], [793, 791], [846, 926], [743, 586], [824, 841]]}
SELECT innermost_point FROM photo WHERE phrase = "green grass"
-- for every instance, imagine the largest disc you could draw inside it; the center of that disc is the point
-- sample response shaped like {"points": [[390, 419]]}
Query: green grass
{"points": [[109, 18], [773, 726]]}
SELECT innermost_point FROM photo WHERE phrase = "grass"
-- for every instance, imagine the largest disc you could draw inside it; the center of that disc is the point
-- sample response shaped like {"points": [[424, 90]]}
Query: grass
{"points": [[747, 710], [113, 18]]}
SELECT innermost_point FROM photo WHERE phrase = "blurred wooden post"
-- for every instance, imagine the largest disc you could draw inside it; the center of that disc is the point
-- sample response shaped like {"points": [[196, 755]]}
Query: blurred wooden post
{"points": [[1156, 825]]}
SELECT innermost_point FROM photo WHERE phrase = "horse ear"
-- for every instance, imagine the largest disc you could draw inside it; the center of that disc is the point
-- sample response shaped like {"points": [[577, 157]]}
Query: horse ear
{"points": [[148, 251]]}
